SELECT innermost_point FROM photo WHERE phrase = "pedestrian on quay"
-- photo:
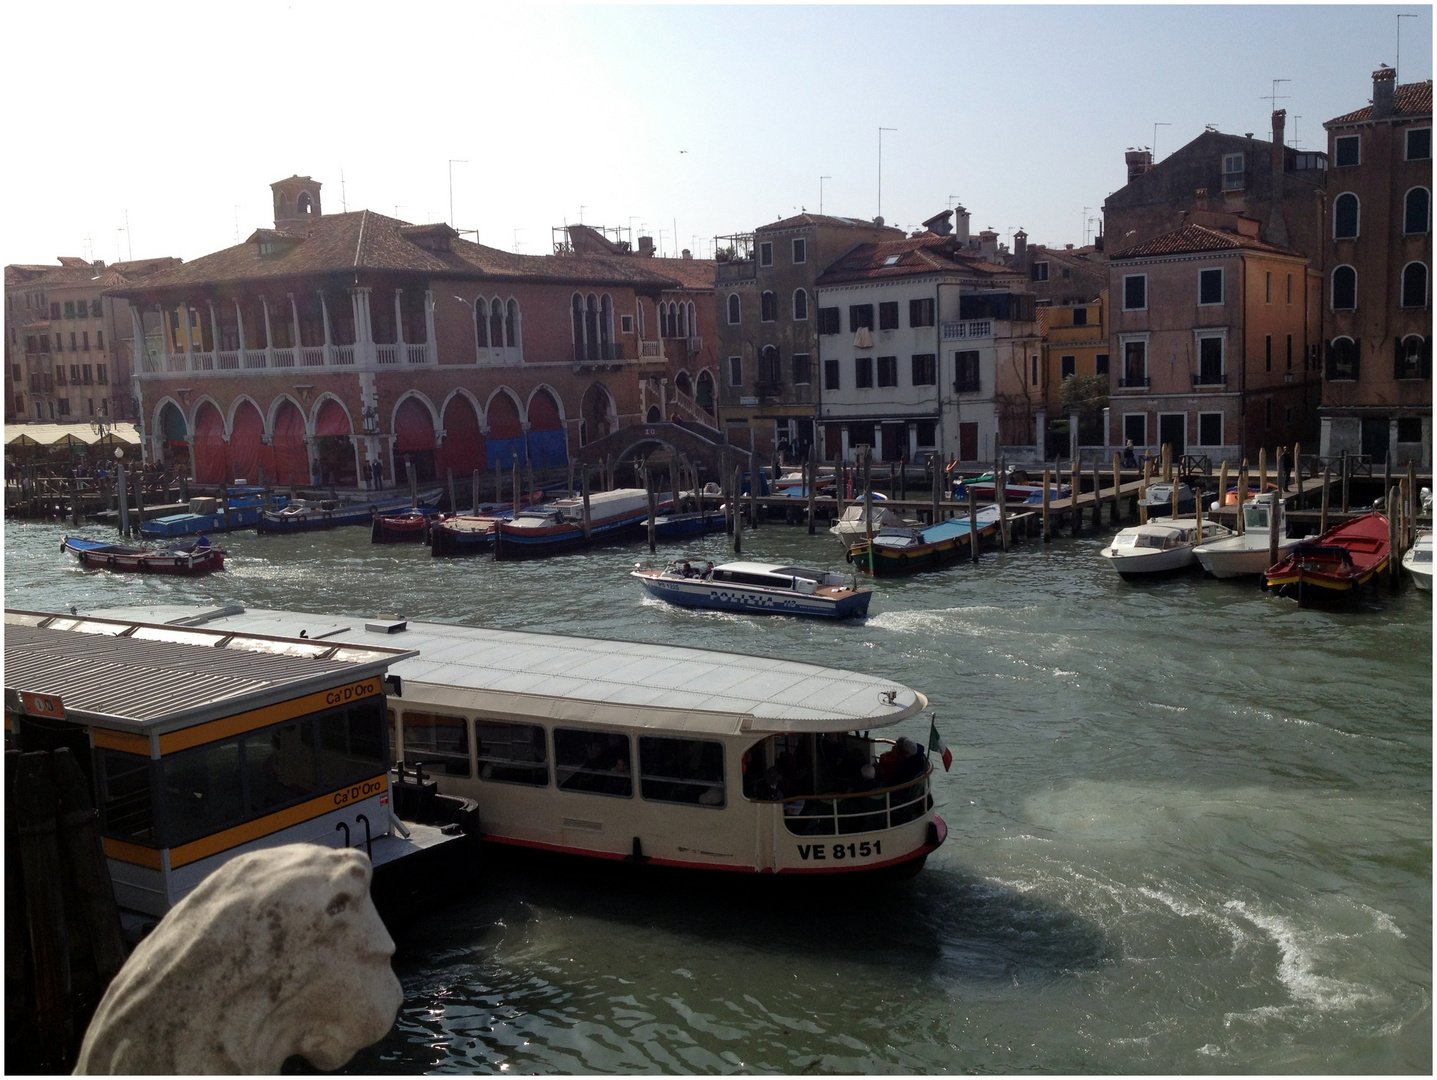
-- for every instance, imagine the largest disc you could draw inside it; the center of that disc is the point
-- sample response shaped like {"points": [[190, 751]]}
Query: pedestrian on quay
{"points": [[1284, 468]]}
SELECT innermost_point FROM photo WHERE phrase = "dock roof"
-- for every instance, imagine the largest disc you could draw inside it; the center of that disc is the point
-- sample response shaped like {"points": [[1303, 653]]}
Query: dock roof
{"points": [[573, 677], [135, 674]]}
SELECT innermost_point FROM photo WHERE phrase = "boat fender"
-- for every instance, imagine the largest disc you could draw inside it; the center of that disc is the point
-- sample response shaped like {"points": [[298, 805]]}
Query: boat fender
{"points": [[931, 836], [637, 855], [62, 545], [848, 556]]}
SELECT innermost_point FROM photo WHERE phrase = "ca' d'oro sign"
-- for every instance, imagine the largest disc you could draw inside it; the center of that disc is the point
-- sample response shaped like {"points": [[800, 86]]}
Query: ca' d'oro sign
{"points": [[363, 790], [342, 695]]}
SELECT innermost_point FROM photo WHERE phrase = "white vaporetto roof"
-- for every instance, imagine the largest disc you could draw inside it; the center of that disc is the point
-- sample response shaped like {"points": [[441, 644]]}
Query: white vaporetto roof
{"points": [[561, 675]]}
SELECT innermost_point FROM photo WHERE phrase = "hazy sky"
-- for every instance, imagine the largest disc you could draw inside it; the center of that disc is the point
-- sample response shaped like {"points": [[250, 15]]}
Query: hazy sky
{"points": [[702, 119]]}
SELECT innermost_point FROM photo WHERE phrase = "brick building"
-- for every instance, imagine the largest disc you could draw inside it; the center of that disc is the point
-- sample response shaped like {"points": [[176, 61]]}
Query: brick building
{"points": [[331, 341], [1377, 254], [67, 344], [1210, 332]]}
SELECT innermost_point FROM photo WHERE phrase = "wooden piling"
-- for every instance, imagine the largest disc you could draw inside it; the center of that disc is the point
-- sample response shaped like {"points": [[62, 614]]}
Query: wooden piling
{"points": [[737, 513], [1075, 480], [1274, 528], [1326, 497], [653, 510], [902, 480], [1097, 498], [1117, 488], [1175, 490], [753, 478], [1261, 469], [413, 478], [588, 516], [570, 488], [449, 478], [972, 521], [1143, 490], [1410, 507], [609, 472], [474, 488], [1047, 500], [1000, 494], [515, 467], [140, 499], [1241, 497], [1167, 461], [225, 507], [1222, 486], [1297, 470], [1346, 474], [1392, 542], [122, 484], [812, 488], [937, 485]]}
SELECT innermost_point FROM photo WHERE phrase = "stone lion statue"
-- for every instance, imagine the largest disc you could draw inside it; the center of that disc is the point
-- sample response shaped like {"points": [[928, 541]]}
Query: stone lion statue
{"points": [[278, 952]]}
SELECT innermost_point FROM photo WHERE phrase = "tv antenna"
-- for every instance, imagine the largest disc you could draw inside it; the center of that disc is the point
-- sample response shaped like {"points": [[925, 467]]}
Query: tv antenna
{"points": [[1154, 147], [821, 179], [1274, 97]]}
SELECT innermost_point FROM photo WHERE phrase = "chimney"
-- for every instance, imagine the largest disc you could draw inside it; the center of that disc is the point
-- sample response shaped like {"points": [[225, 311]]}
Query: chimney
{"points": [[938, 224], [1020, 250], [1201, 198], [1138, 162], [688, 254], [646, 246], [1279, 133], [960, 225], [1384, 82]]}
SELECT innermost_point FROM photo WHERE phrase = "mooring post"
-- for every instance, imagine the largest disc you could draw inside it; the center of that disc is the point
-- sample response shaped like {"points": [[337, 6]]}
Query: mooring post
{"points": [[1117, 487], [653, 510], [1262, 469], [1346, 473], [122, 485], [1274, 527], [588, 520], [225, 507], [1241, 497], [515, 468], [1326, 496], [449, 478], [1222, 488], [1075, 479], [1000, 493], [737, 513], [140, 499], [1097, 498], [812, 489], [1297, 471], [474, 488], [973, 520], [1047, 500]]}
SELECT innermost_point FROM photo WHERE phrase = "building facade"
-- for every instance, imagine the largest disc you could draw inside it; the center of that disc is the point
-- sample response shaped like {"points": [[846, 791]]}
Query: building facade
{"points": [[68, 348], [917, 339], [330, 342], [767, 324], [1209, 342], [1377, 314]]}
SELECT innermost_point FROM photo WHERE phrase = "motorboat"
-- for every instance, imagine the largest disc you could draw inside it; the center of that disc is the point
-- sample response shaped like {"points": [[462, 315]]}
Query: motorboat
{"points": [[1332, 566], [853, 525], [650, 755], [1017, 487], [464, 534], [188, 559], [1247, 552], [308, 515], [407, 526], [901, 550], [766, 588], [1418, 562], [1162, 546], [1159, 498]]}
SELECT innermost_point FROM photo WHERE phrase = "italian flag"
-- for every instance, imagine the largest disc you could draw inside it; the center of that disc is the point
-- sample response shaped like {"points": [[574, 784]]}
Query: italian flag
{"points": [[936, 745]]}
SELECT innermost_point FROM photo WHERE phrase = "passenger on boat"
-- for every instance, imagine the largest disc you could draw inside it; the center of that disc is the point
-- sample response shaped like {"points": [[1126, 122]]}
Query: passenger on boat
{"points": [[842, 758], [203, 543], [903, 762]]}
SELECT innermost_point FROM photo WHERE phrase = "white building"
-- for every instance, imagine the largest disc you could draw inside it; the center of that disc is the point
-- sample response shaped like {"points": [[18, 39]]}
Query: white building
{"points": [[918, 340]]}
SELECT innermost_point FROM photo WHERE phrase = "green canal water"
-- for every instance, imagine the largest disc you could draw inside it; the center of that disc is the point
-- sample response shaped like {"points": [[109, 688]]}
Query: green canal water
{"points": [[1190, 830]]}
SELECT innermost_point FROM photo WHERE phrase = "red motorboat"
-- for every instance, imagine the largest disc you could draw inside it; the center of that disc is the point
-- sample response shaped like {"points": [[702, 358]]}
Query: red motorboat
{"points": [[1333, 565], [177, 559]]}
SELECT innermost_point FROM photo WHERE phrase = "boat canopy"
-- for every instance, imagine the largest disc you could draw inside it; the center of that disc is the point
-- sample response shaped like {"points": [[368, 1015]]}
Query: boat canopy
{"points": [[618, 683]]}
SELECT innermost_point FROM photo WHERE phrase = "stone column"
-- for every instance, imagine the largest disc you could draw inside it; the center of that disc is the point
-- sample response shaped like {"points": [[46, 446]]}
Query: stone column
{"points": [[324, 317], [363, 328], [399, 325], [189, 345], [164, 340], [268, 335], [294, 319], [214, 332], [239, 323], [431, 348], [139, 353]]}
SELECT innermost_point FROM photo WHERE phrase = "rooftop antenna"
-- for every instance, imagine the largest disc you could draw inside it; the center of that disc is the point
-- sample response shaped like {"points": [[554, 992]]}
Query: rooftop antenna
{"points": [[516, 239], [581, 214], [1296, 144], [343, 202], [821, 179], [631, 231], [118, 254], [129, 243], [1274, 96], [452, 163], [951, 200], [881, 130], [1086, 219], [1397, 63], [1156, 125], [90, 247], [236, 210]]}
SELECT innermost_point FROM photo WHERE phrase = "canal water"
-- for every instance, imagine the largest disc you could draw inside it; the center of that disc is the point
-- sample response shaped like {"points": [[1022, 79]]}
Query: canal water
{"points": [[1190, 830]]}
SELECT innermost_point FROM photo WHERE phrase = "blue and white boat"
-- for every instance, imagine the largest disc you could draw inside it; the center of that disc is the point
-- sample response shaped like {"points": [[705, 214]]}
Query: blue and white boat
{"points": [[245, 504], [764, 588], [307, 515], [689, 523], [558, 526]]}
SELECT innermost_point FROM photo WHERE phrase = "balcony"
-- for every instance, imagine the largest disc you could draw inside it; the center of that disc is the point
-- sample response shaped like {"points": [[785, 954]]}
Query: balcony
{"points": [[968, 329], [596, 352], [1134, 382], [651, 349], [1209, 379]]}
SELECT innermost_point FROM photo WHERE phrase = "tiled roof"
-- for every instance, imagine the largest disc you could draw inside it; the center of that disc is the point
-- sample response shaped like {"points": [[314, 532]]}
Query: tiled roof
{"points": [[1193, 239], [913, 255], [1410, 99], [801, 220], [73, 271], [366, 241], [689, 273]]}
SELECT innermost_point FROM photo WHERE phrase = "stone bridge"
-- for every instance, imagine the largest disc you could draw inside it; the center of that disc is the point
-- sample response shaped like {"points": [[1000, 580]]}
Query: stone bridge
{"points": [[703, 446]]}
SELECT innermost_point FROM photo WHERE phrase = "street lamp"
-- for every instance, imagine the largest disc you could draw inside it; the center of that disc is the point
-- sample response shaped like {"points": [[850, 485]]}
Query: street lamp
{"points": [[371, 420]]}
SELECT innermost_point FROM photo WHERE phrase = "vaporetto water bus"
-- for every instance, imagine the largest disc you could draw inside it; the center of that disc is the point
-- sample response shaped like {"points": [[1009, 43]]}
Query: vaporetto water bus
{"points": [[658, 754]]}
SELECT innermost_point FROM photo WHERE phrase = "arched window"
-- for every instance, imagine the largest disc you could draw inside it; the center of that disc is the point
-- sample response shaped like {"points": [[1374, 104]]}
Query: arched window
{"points": [[693, 320], [1414, 285], [1345, 211], [800, 305], [733, 313], [606, 325], [511, 324], [303, 204], [683, 321], [768, 307], [1414, 357], [576, 311], [496, 324], [1344, 289], [1343, 359], [481, 323], [768, 367], [1417, 212]]}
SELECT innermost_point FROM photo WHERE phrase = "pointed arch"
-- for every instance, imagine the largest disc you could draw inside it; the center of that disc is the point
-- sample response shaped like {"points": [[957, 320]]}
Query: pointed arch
{"points": [[246, 439], [463, 449], [414, 423], [288, 454], [684, 383], [211, 453], [598, 413], [548, 445], [704, 387], [505, 443]]}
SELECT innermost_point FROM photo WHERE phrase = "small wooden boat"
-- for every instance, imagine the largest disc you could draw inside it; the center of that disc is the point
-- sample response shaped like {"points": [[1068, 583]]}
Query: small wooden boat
{"points": [[1162, 546], [176, 559], [409, 526], [852, 526], [1248, 552], [1418, 562], [1332, 566], [901, 550], [765, 588]]}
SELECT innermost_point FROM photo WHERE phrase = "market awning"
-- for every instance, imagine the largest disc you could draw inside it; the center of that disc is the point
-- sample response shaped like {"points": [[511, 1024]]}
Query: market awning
{"points": [[71, 434]]}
